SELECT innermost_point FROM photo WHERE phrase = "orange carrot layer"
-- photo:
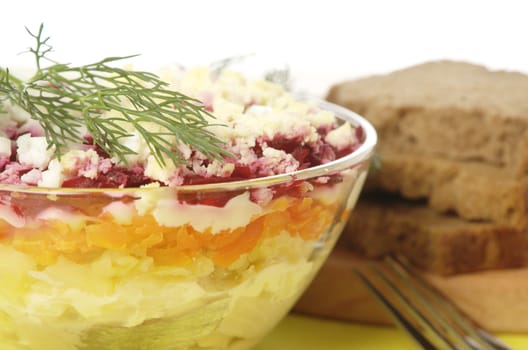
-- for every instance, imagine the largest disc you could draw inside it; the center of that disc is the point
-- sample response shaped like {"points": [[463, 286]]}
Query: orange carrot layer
{"points": [[300, 217]]}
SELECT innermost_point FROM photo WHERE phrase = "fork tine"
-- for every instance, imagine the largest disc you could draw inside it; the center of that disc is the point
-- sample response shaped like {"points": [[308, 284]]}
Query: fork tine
{"points": [[479, 337], [398, 316], [418, 313], [427, 301], [460, 331], [498, 345], [422, 310]]}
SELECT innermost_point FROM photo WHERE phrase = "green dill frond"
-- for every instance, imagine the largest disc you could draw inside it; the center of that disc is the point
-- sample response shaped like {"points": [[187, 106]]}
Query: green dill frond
{"points": [[70, 101]]}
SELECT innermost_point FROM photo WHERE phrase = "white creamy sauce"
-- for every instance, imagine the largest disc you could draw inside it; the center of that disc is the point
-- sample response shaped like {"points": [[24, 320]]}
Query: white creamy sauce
{"points": [[237, 212]]}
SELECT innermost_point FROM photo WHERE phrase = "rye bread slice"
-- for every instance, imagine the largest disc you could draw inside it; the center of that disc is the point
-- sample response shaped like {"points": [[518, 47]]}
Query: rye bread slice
{"points": [[472, 190], [452, 110], [440, 243]]}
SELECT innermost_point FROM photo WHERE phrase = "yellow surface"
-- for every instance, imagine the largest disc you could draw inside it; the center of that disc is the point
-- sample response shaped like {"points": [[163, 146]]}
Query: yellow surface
{"points": [[306, 333]]}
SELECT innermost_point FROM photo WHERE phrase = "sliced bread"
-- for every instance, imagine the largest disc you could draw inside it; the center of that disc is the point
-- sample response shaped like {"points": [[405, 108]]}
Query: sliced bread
{"points": [[446, 109], [440, 243], [472, 190]]}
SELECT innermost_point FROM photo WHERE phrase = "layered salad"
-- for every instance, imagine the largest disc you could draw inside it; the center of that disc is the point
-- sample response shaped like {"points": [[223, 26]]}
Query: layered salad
{"points": [[142, 250]]}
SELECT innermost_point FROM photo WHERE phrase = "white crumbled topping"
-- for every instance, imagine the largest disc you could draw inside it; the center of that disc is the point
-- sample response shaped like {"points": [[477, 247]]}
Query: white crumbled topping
{"points": [[166, 174], [138, 145], [277, 162], [81, 163], [341, 137], [135, 141], [53, 176], [195, 81], [265, 92], [32, 177], [33, 151], [5, 146], [243, 147], [319, 118], [214, 168], [186, 151], [250, 117], [264, 121], [233, 86], [225, 110], [16, 113]]}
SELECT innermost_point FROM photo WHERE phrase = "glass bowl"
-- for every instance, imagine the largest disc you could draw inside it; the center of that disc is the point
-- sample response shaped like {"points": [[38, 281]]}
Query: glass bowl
{"points": [[212, 266]]}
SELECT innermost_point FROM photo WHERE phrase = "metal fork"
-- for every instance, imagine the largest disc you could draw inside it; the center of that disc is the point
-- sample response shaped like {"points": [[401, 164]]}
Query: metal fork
{"points": [[419, 308]]}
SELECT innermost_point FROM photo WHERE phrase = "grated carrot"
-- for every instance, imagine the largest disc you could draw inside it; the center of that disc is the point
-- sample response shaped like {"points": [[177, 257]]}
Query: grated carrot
{"points": [[301, 217]]}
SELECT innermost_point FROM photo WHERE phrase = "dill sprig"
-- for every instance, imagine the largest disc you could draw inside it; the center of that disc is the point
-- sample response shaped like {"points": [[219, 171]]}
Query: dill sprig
{"points": [[70, 102]]}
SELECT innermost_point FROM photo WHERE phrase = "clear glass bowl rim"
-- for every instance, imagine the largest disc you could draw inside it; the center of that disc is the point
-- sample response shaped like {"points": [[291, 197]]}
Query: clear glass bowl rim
{"points": [[362, 153]]}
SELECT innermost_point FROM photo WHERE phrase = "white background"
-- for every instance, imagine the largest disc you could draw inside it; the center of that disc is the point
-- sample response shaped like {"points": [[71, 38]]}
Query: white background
{"points": [[322, 42]]}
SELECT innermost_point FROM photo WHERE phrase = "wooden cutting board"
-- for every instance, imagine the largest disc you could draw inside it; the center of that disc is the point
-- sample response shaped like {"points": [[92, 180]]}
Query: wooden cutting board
{"points": [[497, 299]]}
